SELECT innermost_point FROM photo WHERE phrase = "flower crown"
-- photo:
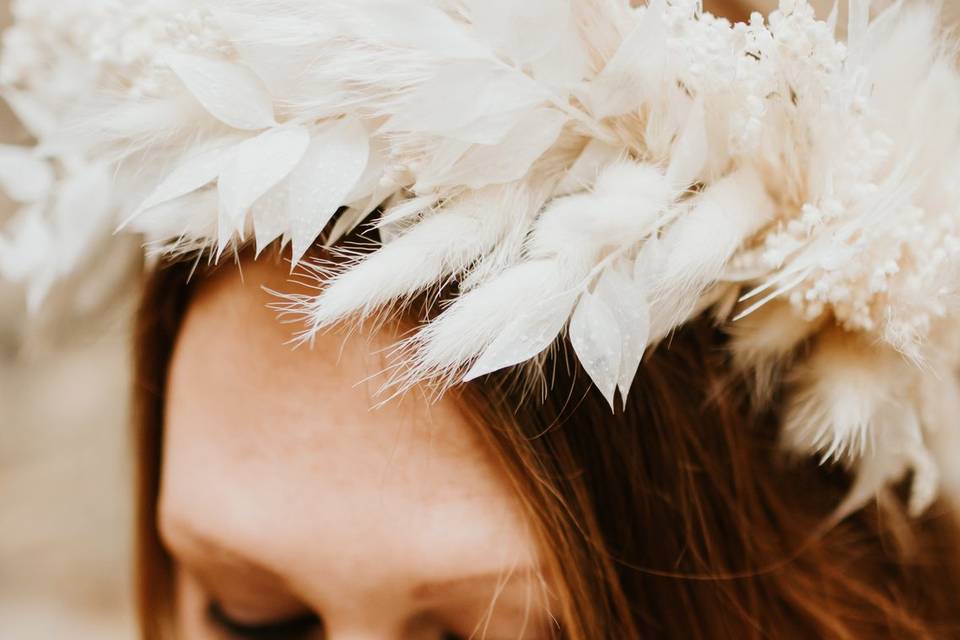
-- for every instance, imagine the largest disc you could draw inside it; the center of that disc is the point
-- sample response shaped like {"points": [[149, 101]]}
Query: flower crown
{"points": [[575, 166]]}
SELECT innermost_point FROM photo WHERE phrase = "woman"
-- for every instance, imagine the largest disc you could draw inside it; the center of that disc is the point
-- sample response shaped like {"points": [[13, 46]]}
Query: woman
{"points": [[614, 322]]}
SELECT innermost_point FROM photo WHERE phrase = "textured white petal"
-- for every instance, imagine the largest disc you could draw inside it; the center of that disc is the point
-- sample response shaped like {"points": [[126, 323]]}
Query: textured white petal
{"points": [[522, 31], [565, 65], [327, 174], [191, 174], [418, 26], [690, 151], [529, 333], [595, 335], [627, 298], [634, 72], [463, 95], [258, 165], [484, 165], [192, 218], [373, 175], [232, 93], [269, 213]]}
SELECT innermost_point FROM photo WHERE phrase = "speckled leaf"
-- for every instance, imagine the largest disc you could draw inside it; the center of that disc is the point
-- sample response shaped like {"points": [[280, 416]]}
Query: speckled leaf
{"points": [[529, 334], [596, 339], [631, 73], [191, 174], [269, 214], [689, 154], [232, 93], [327, 174], [522, 31], [472, 100], [257, 166], [484, 165], [627, 299]]}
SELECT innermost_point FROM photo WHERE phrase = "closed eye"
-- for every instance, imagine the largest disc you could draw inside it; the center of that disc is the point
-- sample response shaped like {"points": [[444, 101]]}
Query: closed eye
{"points": [[291, 629]]}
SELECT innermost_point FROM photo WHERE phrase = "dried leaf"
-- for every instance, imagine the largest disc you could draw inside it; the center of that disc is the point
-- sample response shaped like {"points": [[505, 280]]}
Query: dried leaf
{"points": [[522, 31], [596, 339], [232, 93], [689, 155], [191, 174], [484, 165], [530, 332], [634, 70], [328, 172], [258, 165], [627, 298]]}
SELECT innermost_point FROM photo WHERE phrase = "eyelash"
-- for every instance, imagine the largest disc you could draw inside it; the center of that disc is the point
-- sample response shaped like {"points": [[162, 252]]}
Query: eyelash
{"points": [[286, 629], [282, 630]]}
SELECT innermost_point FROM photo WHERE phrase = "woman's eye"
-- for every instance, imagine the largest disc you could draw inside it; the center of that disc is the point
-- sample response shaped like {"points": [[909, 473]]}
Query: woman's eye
{"points": [[291, 629]]}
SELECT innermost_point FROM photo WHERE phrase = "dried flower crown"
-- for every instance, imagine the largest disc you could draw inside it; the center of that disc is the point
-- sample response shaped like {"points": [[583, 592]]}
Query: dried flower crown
{"points": [[574, 165]]}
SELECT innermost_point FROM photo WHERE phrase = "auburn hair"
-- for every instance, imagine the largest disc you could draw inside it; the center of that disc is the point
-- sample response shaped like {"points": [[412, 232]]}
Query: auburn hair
{"points": [[674, 517]]}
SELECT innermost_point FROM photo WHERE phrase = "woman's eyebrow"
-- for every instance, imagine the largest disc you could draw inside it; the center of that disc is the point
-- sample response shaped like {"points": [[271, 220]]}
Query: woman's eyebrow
{"points": [[501, 577], [189, 542]]}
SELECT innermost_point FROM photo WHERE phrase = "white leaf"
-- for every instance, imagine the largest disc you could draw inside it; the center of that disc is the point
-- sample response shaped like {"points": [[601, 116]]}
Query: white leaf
{"points": [[463, 94], [373, 174], [404, 210], [510, 160], [328, 172], [192, 217], [191, 174], [689, 154], [627, 298], [416, 26], [231, 92], [443, 157], [566, 64], [257, 166], [269, 214], [527, 335], [634, 71], [23, 176], [858, 26], [522, 31], [596, 339]]}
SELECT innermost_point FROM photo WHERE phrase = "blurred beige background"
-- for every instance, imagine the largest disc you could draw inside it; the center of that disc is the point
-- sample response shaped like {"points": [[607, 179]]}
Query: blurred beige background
{"points": [[65, 500], [65, 465]]}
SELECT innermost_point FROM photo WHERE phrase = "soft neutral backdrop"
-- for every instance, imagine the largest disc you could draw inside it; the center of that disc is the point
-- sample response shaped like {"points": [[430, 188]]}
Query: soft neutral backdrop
{"points": [[65, 496]]}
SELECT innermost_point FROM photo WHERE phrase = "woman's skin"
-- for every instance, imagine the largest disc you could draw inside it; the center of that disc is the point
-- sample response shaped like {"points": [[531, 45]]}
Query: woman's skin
{"points": [[284, 496]]}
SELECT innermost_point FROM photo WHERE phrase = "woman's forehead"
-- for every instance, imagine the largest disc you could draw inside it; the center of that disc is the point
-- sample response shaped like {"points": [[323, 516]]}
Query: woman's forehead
{"points": [[258, 434]]}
